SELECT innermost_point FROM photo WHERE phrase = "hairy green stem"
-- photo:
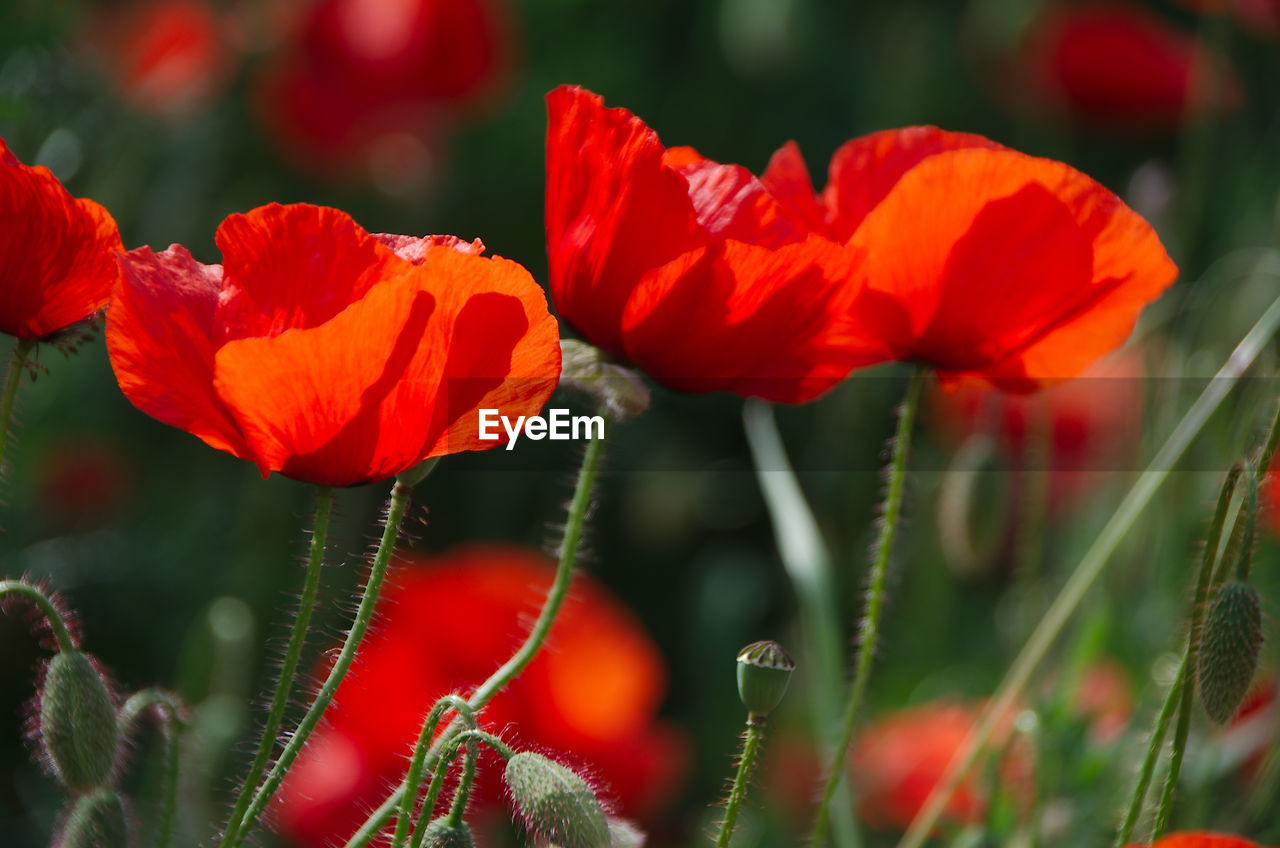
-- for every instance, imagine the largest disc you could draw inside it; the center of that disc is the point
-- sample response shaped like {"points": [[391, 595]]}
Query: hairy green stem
{"points": [[11, 380], [399, 503], [870, 627], [167, 709], [1154, 745], [573, 527], [413, 780], [462, 795], [292, 654], [1090, 566], [746, 762], [51, 613]]}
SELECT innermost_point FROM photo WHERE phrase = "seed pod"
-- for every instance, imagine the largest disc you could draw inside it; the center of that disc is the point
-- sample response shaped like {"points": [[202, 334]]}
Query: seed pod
{"points": [[441, 834], [78, 729], [96, 820], [1229, 647], [557, 806], [764, 670]]}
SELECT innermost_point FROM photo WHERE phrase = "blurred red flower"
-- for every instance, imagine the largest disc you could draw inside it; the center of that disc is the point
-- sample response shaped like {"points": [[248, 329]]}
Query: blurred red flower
{"points": [[447, 623], [692, 270], [83, 481], [326, 353], [1118, 65], [979, 260], [1201, 839], [57, 252], [168, 57], [368, 78], [897, 761]]}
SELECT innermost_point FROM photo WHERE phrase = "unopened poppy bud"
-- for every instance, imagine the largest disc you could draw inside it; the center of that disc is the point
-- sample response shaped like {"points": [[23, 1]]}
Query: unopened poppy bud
{"points": [[620, 391], [764, 670], [558, 807], [96, 820], [78, 728], [441, 834], [1229, 647]]}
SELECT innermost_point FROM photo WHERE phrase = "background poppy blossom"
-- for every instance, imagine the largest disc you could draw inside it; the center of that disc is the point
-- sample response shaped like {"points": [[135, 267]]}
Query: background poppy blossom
{"points": [[326, 353], [447, 623], [692, 270], [57, 252], [1201, 839]]}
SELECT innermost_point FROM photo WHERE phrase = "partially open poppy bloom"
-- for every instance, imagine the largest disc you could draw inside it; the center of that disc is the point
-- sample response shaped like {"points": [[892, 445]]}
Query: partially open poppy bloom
{"points": [[979, 260], [1119, 66], [57, 252], [326, 353], [1201, 839], [445, 624], [691, 270]]}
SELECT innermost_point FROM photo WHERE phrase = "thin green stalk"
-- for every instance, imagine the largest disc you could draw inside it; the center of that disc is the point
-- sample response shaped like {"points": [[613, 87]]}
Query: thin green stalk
{"points": [[292, 654], [11, 380], [750, 747], [399, 503], [462, 795], [51, 613], [1154, 745], [470, 737], [171, 722], [870, 628], [1090, 566], [573, 527], [413, 780]]}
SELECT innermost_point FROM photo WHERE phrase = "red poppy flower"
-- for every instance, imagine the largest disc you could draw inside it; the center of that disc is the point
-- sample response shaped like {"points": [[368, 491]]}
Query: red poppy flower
{"points": [[445, 625], [326, 353], [692, 270], [1119, 66], [979, 260], [1201, 839], [362, 76], [57, 252]]}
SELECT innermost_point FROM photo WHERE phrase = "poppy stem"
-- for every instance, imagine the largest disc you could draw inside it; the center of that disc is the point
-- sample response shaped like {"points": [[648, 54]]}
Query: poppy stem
{"points": [[1154, 746], [575, 521], [170, 721], [11, 380], [870, 625], [292, 654], [413, 780], [750, 747], [1090, 566], [61, 633], [396, 508]]}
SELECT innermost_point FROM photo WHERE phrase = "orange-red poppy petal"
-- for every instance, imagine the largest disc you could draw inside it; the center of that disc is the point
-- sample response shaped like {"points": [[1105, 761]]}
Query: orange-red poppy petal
{"points": [[731, 203], [57, 253], [160, 336], [756, 321], [613, 211], [380, 386], [865, 169], [787, 178], [1202, 839]]}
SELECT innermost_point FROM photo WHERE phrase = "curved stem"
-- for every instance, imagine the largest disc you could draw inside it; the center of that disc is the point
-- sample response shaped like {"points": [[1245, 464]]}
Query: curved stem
{"points": [[297, 639], [443, 762], [1090, 566], [750, 747], [462, 795], [11, 380], [870, 626], [573, 527], [166, 707], [413, 780], [399, 503], [51, 612]]}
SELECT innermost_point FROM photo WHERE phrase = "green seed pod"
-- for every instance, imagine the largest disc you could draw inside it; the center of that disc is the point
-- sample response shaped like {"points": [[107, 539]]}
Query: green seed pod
{"points": [[764, 670], [96, 820], [557, 806], [441, 834], [78, 729], [1229, 647]]}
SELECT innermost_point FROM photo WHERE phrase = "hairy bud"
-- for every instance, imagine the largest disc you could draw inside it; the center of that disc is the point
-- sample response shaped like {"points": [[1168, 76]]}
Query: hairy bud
{"points": [[96, 820], [557, 806], [1229, 647], [764, 671], [78, 729], [441, 834]]}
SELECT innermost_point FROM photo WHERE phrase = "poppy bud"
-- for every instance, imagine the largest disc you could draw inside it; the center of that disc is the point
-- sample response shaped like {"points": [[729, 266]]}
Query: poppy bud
{"points": [[96, 820], [558, 807], [78, 729], [764, 670], [623, 834], [441, 834], [1229, 649], [619, 391]]}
